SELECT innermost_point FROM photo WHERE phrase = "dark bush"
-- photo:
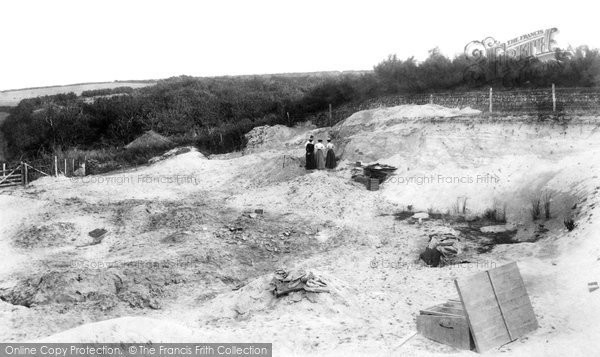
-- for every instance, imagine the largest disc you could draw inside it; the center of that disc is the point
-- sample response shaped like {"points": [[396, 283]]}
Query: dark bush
{"points": [[569, 224]]}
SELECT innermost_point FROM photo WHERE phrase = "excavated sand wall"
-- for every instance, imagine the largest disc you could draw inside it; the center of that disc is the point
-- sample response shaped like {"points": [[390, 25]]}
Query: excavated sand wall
{"points": [[442, 162], [448, 156]]}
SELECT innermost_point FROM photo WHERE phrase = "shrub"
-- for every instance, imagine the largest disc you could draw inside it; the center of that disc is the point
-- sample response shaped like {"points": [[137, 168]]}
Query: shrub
{"points": [[569, 223], [496, 214], [535, 208], [546, 199]]}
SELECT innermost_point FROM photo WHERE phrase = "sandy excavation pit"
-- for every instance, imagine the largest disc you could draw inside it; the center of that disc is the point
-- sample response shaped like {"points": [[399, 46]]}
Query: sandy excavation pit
{"points": [[152, 254], [194, 260]]}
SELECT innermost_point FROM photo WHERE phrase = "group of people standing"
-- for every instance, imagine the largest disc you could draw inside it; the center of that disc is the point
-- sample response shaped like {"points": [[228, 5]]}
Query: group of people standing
{"points": [[319, 156]]}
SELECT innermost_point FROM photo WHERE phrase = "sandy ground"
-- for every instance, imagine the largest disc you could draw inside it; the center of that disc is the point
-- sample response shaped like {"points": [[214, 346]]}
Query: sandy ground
{"points": [[187, 259]]}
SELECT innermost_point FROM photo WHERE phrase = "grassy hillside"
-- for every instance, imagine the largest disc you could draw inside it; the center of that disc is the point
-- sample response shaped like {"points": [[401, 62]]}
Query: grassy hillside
{"points": [[13, 97], [212, 113]]}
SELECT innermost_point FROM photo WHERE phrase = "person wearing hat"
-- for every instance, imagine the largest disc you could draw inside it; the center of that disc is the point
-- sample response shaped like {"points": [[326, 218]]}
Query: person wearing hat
{"points": [[310, 154], [320, 155], [330, 158]]}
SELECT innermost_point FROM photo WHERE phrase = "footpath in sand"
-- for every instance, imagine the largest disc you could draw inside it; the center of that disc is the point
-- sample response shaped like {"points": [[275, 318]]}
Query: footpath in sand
{"points": [[187, 258]]}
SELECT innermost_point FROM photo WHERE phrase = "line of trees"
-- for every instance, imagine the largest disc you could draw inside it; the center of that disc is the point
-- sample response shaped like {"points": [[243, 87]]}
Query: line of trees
{"points": [[215, 113], [107, 91]]}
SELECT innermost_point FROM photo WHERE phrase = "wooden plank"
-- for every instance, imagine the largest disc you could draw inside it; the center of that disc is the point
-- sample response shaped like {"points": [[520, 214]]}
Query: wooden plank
{"points": [[482, 311], [438, 313], [453, 331], [513, 300], [9, 184], [449, 310], [10, 179], [38, 170], [453, 304]]}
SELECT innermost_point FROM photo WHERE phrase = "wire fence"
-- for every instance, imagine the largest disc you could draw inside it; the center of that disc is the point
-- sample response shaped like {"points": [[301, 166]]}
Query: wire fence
{"points": [[540, 101]]}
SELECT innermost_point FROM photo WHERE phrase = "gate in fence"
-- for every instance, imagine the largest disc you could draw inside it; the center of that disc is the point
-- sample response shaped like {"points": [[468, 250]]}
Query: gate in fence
{"points": [[24, 172], [11, 176]]}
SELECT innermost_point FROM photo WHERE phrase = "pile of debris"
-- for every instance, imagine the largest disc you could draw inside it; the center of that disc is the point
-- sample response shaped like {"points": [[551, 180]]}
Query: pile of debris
{"points": [[285, 282], [372, 175], [442, 248], [379, 171]]}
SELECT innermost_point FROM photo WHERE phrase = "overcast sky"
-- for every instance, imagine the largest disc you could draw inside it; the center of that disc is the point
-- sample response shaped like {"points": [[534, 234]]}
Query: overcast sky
{"points": [[61, 42]]}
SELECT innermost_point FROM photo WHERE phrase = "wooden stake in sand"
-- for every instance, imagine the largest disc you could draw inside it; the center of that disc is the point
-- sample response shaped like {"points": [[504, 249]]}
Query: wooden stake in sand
{"points": [[405, 340]]}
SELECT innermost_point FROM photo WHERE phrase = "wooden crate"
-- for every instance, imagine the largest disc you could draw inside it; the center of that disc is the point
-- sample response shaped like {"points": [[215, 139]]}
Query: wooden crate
{"points": [[373, 184], [446, 323], [494, 309]]}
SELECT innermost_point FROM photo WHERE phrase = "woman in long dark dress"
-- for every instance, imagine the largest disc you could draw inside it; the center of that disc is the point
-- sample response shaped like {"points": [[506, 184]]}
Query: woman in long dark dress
{"points": [[330, 158], [310, 155]]}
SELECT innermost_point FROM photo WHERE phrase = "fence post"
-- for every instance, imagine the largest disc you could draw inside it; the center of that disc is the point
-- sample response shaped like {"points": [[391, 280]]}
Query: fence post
{"points": [[83, 165], [553, 98], [24, 173], [288, 116], [491, 99], [3, 169], [73, 166], [65, 167], [431, 99], [55, 166]]}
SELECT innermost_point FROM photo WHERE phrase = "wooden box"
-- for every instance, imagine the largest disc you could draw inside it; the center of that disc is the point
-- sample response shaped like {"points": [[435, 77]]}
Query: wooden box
{"points": [[494, 309], [446, 323], [373, 184]]}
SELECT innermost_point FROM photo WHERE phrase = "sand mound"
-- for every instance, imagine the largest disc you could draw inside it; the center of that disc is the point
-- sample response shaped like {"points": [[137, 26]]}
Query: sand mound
{"points": [[256, 298], [149, 139], [267, 136], [105, 284], [46, 235], [374, 119], [320, 194], [171, 153], [280, 137]]}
